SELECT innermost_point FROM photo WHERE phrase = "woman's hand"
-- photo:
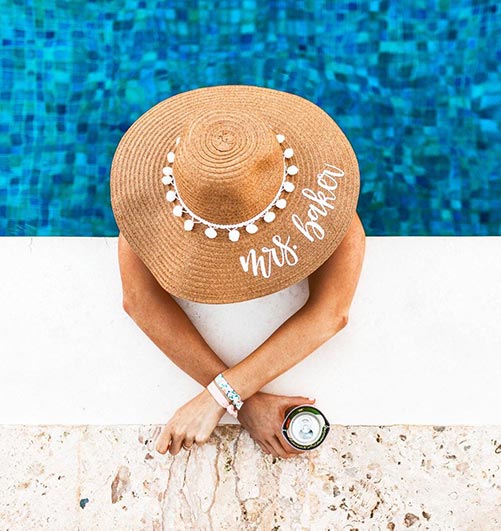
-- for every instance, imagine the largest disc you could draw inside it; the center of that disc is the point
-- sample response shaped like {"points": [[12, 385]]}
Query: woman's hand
{"points": [[262, 416], [191, 423]]}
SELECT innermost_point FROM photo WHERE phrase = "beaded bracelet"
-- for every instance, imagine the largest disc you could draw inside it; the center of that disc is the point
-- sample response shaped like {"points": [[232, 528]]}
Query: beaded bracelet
{"points": [[231, 394]]}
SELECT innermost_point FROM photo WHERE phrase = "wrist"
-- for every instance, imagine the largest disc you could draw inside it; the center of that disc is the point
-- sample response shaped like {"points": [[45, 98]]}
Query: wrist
{"points": [[253, 397], [225, 395], [231, 394], [213, 403], [246, 386]]}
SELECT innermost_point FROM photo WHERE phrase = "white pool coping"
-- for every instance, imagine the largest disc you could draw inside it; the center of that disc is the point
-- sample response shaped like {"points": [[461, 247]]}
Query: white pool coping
{"points": [[423, 345]]}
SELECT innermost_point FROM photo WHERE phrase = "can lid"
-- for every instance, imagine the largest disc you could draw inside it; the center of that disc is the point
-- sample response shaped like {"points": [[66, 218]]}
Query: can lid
{"points": [[306, 427]]}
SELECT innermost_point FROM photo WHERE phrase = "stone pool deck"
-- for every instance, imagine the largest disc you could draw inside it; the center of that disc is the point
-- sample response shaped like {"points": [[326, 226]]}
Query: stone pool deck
{"points": [[362, 477]]}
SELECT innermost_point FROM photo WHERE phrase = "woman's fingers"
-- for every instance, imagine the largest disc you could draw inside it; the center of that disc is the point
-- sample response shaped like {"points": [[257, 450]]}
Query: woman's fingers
{"points": [[272, 450], [188, 443], [289, 450], [277, 447], [163, 440], [298, 400], [175, 445], [285, 445], [170, 441], [264, 447]]}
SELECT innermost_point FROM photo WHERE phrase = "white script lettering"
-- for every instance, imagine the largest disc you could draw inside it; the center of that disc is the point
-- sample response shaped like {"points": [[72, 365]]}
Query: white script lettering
{"points": [[321, 203], [288, 255]]}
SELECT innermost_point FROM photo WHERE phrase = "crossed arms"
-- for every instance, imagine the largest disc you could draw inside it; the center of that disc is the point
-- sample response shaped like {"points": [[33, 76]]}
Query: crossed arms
{"points": [[332, 287]]}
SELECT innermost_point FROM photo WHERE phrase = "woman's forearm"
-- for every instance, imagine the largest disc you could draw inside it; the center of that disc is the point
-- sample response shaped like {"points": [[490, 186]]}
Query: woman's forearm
{"points": [[293, 341], [332, 287], [168, 326]]}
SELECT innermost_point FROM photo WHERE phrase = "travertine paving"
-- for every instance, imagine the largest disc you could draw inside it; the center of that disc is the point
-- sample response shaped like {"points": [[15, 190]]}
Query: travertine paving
{"points": [[362, 477]]}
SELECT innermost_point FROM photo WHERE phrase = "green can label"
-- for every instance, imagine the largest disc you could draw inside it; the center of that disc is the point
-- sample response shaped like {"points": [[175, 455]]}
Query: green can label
{"points": [[305, 427]]}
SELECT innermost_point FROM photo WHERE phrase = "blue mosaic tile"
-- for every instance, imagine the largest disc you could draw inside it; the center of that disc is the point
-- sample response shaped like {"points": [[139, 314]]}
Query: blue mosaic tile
{"points": [[415, 85]]}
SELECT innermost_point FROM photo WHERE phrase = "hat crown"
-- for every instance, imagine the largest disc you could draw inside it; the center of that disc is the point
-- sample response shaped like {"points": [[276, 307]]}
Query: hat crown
{"points": [[228, 166]]}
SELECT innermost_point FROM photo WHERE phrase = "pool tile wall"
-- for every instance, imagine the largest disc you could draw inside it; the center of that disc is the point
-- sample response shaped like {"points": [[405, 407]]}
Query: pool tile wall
{"points": [[415, 85]]}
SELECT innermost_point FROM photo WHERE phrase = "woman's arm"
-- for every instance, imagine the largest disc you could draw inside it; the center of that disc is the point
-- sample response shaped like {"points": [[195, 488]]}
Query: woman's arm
{"points": [[332, 287], [156, 312], [161, 318]]}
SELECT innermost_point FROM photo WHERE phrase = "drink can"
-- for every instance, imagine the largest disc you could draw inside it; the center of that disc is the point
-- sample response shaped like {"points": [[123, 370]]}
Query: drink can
{"points": [[305, 427]]}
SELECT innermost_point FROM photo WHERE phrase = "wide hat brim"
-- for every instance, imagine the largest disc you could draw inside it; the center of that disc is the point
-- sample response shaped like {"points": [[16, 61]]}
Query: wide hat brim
{"points": [[302, 237]]}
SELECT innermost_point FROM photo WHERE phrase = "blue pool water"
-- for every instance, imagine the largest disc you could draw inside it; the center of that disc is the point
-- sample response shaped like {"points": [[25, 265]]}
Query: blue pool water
{"points": [[415, 85]]}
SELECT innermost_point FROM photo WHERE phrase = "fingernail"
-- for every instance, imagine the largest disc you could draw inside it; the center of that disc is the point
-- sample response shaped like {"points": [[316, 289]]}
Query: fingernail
{"points": [[309, 398]]}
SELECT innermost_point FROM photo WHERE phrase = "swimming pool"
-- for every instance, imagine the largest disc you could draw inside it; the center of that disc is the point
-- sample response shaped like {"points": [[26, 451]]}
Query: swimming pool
{"points": [[414, 85]]}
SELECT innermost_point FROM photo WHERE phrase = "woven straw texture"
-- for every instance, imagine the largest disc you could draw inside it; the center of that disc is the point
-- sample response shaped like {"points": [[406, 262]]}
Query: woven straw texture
{"points": [[228, 167]]}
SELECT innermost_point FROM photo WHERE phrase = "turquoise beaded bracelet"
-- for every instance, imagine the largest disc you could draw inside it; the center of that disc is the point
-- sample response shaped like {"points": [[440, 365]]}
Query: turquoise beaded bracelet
{"points": [[230, 393]]}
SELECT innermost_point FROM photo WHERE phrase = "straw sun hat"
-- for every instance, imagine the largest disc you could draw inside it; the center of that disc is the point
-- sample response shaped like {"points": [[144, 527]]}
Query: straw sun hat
{"points": [[232, 192]]}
